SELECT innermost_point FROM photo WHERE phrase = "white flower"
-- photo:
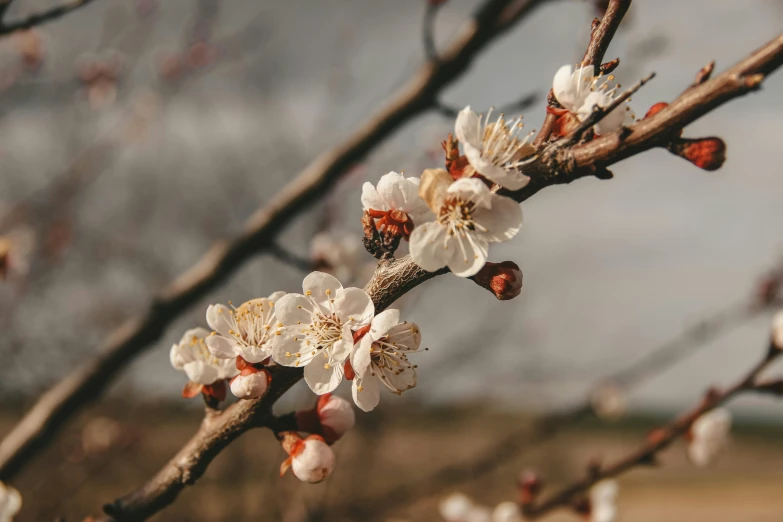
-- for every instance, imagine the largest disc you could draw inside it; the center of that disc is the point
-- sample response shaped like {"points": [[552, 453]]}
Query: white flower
{"points": [[192, 356], [603, 499], [243, 331], [382, 358], [336, 416], [507, 512], [579, 90], [250, 384], [10, 503], [395, 203], [311, 459], [777, 330], [455, 507], [314, 329], [608, 401], [709, 435], [468, 218], [339, 253], [494, 150]]}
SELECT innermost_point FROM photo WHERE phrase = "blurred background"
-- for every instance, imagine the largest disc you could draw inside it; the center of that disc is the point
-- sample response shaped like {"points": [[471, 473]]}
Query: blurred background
{"points": [[135, 134]]}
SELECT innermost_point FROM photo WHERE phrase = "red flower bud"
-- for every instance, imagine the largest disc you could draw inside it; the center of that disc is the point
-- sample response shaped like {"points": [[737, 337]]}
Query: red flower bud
{"points": [[655, 109], [504, 279], [529, 488], [705, 153]]}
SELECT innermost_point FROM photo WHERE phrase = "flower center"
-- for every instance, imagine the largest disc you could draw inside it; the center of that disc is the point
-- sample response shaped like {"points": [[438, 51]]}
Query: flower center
{"points": [[326, 330], [501, 144], [388, 359], [203, 351], [251, 322], [456, 215]]}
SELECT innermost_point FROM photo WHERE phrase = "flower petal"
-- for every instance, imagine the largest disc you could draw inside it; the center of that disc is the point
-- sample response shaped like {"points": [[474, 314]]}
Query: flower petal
{"points": [[391, 191], [342, 349], [360, 356], [429, 246], [222, 347], [275, 296], [371, 198], [502, 221], [355, 306], [219, 319], [286, 343], [467, 128], [406, 336], [321, 287], [472, 189], [293, 309], [321, 376], [383, 322], [200, 372], [469, 256], [366, 392], [509, 178]]}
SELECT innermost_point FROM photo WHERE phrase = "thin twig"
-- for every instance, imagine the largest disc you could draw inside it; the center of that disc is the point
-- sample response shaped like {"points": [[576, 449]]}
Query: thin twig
{"points": [[41, 18], [520, 105], [290, 258]]}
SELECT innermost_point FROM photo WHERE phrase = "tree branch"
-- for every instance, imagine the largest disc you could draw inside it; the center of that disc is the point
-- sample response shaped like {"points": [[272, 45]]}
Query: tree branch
{"points": [[84, 385], [37, 19]]}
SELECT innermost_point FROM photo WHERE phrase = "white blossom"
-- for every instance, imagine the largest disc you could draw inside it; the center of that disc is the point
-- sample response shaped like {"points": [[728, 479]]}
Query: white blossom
{"points": [[10, 503], [608, 401], [709, 435], [250, 385], [192, 356], [339, 253], [468, 217], [603, 501], [336, 415], [312, 460], [507, 512], [242, 331], [381, 358], [315, 329], [455, 507], [494, 149], [777, 330], [578, 91], [395, 195]]}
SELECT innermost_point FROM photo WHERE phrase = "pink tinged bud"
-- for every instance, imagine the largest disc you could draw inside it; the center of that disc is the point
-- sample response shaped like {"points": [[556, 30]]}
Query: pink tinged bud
{"points": [[250, 384], [336, 416], [312, 460], [504, 279], [777, 331], [705, 153]]}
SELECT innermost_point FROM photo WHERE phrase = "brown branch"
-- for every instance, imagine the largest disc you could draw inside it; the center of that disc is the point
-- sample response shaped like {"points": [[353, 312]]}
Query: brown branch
{"points": [[600, 38], [524, 440], [37, 19], [659, 440], [66, 399]]}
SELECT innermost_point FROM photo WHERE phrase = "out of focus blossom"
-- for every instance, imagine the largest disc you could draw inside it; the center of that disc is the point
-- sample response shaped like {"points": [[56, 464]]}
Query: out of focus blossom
{"points": [[381, 359], [99, 435], [468, 218], [608, 401], [30, 46], [338, 253], [455, 507], [709, 435], [603, 501], [10, 503], [507, 512], [99, 75], [16, 248], [311, 459], [494, 149], [315, 330], [777, 331]]}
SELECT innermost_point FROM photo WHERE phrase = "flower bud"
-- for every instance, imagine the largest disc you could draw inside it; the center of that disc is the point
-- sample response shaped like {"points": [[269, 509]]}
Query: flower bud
{"points": [[655, 109], [529, 488], [777, 331], [504, 279], [311, 459], [705, 153], [455, 507], [250, 383], [336, 416], [608, 401], [708, 436]]}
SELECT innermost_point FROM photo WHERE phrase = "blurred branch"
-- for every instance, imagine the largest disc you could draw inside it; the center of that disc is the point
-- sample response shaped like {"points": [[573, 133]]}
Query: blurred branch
{"points": [[37, 19], [512, 444], [430, 13], [84, 385], [522, 104], [290, 258], [657, 441]]}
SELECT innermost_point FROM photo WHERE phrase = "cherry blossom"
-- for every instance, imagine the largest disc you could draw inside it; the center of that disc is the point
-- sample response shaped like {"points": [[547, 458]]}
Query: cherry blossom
{"points": [[395, 203], [455, 507], [494, 149], [578, 91], [10, 503], [381, 358], [608, 401], [468, 217], [340, 254], [315, 329], [311, 459], [242, 331], [709, 435], [506, 512], [205, 371], [603, 501]]}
